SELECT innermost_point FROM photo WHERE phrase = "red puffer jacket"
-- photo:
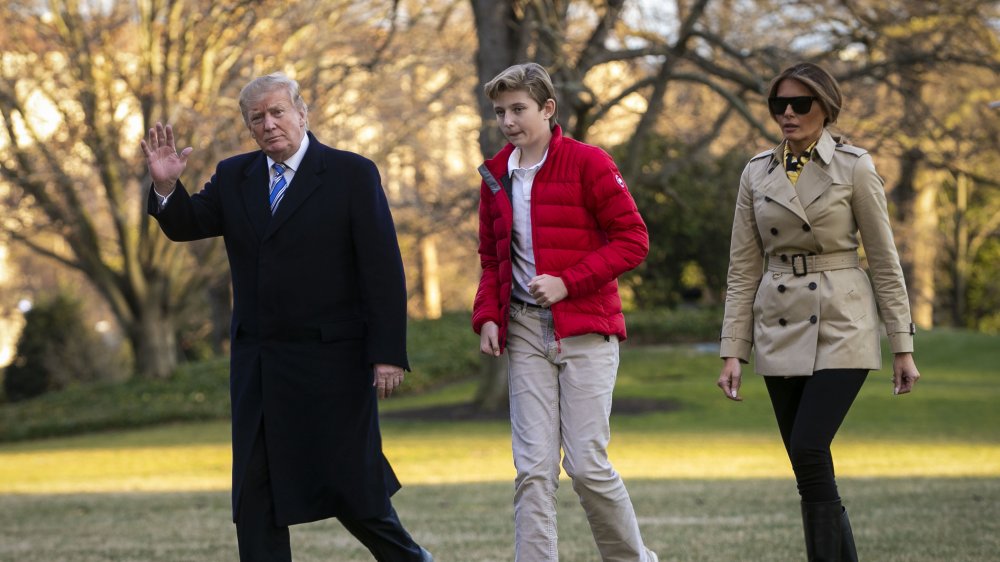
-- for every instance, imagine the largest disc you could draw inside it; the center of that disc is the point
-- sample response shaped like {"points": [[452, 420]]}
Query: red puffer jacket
{"points": [[585, 229]]}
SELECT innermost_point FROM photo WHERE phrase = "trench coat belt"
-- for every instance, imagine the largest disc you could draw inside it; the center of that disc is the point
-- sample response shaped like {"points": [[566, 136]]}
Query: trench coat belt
{"points": [[803, 264]]}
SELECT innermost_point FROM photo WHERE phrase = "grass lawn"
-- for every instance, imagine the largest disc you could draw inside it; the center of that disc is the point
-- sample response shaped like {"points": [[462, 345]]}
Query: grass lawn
{"points": [[920, 474], [901, 520]]}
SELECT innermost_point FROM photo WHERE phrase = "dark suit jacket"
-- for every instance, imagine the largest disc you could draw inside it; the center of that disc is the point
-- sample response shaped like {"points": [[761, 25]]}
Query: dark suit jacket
{"points": [[318, 297]]}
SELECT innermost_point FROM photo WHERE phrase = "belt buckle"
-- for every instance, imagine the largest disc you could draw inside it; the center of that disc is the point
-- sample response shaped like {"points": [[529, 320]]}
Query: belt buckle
{"points": [[805, 266]]}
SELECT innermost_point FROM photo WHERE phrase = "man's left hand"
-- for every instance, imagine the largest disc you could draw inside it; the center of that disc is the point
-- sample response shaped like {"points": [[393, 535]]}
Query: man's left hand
{"points": [[547, 290], [387, 378]]}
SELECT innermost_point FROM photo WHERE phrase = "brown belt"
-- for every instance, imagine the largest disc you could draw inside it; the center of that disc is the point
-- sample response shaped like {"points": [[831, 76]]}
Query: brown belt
{"points": [[803, 264]]}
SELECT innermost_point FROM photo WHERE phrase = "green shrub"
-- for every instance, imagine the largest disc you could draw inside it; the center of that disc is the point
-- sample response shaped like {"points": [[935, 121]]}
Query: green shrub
{"points": [[55, 350], [196, 391], [441, 350], [674, 325]]}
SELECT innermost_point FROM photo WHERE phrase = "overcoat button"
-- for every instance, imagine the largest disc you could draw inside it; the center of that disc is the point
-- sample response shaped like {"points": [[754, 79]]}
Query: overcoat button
{"points": [[781, 288], [784, 257], [806, 227], [774, 231], [813, 319], [782, 321], [812, 286]]}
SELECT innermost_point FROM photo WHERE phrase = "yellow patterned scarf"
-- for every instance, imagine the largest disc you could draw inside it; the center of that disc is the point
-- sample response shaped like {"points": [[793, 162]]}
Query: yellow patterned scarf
{"points": [[794, 164]]}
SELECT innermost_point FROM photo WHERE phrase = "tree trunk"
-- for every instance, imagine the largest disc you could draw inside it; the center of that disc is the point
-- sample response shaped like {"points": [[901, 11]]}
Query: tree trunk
{"points": [[430, 278], [497, 29], [492, 394], [154, 339], [915, 195], [924, 254], [962, 259]]}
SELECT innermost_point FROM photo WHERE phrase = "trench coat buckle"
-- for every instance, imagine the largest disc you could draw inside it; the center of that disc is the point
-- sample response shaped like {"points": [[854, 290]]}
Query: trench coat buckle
{"points": [[795, 265]]}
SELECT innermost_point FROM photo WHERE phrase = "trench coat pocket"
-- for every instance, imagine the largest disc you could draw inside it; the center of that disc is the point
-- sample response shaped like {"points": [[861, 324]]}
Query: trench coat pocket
{"points": [[853, 299], [343, 330]]}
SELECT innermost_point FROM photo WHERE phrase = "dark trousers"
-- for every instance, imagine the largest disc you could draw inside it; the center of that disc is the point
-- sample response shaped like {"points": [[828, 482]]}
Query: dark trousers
{"points": [[809, 411], [260, 540]]}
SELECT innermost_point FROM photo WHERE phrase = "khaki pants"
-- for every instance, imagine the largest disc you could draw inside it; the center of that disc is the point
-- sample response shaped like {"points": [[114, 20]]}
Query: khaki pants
{"points": [[560, 396]]}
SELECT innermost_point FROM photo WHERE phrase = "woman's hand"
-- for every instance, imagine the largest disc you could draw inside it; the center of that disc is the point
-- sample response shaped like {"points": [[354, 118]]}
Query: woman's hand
{"points": [[904, 373], [730, 378], [489, 339]]}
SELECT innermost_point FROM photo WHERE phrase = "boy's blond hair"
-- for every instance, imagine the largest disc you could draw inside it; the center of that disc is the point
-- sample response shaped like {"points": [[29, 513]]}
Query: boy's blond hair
{"points": [[528, 77]]}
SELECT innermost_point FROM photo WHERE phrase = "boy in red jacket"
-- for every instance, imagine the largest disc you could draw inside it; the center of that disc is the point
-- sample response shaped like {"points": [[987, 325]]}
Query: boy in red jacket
{"points": [[557, 226]]}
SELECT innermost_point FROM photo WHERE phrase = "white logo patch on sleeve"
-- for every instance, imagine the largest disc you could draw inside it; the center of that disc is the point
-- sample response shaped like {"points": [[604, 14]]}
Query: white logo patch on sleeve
{"points": [[621, 182]]}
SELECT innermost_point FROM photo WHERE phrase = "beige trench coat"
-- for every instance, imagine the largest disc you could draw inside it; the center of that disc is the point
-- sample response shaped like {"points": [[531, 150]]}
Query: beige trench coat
{"points": [[795, 292]]}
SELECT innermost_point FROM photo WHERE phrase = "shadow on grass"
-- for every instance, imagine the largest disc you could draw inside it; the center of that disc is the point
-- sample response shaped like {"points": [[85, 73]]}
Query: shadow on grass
{"points": [[913, 520]]}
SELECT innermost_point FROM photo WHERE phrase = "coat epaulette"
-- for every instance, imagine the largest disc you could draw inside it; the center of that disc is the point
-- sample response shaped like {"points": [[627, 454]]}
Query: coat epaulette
{"points": [[851, 149], [762, 154]]}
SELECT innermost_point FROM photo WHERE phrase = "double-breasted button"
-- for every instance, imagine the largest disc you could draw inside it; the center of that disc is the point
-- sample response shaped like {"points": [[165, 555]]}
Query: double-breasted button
{"points": [[774, 231], [813, 319], [784, 257], [781, 288], [782, 321], [812, 286], [806, 227]]}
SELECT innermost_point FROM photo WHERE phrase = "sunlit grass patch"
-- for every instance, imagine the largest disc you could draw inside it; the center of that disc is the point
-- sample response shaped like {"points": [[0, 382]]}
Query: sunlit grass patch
{"points": [[466, 453]]}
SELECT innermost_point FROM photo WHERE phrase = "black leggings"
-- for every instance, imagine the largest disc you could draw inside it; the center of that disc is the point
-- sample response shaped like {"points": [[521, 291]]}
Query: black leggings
{"points": [[809, 411]]}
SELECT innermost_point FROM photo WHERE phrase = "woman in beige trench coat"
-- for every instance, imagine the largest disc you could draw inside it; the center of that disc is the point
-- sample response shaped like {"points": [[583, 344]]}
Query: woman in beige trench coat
{"points": [[798, 296]]}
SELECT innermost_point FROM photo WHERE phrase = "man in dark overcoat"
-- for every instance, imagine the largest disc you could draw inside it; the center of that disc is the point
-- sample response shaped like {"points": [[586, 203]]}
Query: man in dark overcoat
{"points": [[318, 328]]}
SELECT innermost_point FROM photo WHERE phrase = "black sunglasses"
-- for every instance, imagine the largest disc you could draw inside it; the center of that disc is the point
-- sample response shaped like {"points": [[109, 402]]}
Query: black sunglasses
{"points": [[800, 104]]}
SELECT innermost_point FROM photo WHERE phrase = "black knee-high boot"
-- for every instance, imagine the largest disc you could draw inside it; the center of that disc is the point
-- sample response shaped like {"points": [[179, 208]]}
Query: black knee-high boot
{"points": [[822, 524], [848, 552]]}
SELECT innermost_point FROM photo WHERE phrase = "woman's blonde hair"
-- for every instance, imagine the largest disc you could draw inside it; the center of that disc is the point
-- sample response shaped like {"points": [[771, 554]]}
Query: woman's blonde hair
{"points": [[820, 82], [528, 77]]}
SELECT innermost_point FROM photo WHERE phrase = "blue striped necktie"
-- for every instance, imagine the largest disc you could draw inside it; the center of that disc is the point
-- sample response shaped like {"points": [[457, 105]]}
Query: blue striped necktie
{"points": [[278, 185]]}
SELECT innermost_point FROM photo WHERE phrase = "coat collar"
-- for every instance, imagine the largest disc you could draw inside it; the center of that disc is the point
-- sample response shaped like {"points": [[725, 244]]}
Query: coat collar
{"points": [[497, 166], [255, 189], [307, 178], [813, 180]]}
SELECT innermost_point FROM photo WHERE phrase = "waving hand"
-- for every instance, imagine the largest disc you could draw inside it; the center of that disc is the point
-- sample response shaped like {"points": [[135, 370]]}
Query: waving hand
{"points": [[165, 164]]}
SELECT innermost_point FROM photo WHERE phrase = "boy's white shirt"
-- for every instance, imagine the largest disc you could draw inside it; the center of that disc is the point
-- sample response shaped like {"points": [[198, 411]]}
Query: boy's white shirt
{"points": [[522, 247]]}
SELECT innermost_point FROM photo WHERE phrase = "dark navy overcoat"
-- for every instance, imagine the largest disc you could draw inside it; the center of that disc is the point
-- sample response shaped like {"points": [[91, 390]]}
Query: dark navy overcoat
{"points": [[319, 296]]}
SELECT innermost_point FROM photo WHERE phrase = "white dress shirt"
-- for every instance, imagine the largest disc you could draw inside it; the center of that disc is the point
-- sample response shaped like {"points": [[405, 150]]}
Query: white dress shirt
{"points": [[522, 248]]}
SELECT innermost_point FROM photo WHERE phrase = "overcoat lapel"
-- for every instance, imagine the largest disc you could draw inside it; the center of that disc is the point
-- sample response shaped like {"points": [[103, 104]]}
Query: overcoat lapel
{"points": [[307, 178], [815, 179], [779, 188], [255, 196]]}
